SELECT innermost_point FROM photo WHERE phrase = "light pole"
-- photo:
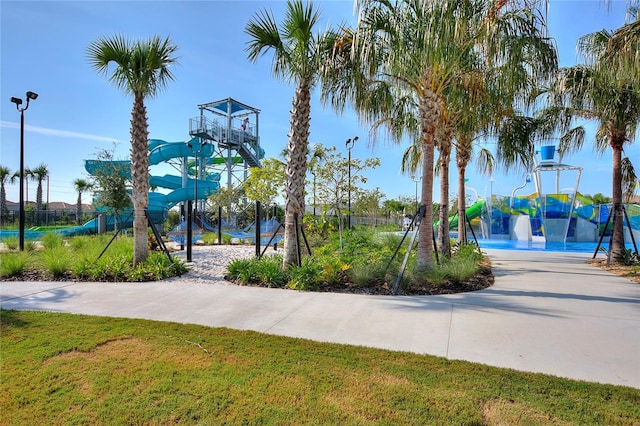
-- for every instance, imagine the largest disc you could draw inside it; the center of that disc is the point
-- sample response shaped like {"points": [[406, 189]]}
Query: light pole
{"points": [[349, 144], [18, 102]]}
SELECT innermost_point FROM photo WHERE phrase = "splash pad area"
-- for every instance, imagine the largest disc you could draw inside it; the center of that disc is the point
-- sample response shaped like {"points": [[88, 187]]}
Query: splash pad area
{"points": [[560, 220]]}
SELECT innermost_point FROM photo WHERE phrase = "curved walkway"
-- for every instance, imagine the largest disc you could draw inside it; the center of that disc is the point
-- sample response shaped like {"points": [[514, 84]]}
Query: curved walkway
{"points": [[547, 312]]}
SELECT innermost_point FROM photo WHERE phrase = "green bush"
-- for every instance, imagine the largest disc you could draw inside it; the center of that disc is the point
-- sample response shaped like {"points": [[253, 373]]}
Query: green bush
{"points": [[627, 257], [306, 276], [51, 240], [269, 272], [14, 264], [157, 267], [243, 270], [469, 251], [11, 243], [211, 238], [57, 261], [30, 245]]}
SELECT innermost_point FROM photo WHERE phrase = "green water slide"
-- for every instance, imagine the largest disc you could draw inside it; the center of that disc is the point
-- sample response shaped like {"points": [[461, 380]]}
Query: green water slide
{"points": [[473, 211]]}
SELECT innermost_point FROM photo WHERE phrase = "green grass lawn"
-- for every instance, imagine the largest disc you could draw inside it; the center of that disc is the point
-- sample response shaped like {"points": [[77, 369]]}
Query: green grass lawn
{"points": [[75, 369]]}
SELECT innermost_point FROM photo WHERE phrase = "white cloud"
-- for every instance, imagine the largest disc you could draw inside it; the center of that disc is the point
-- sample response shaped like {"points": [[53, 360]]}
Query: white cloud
{"points": [[57, 132]]}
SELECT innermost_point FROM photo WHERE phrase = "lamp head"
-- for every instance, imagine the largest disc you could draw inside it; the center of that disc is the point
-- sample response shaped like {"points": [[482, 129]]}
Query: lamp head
{"points": [[355, 139], [16, 101], [348, 142], [32, 95]]}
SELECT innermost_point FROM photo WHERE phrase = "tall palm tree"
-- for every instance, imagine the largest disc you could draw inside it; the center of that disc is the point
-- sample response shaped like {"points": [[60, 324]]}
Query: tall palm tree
{"points": [[81, 186], [607, 93], [297, 53], [39, 174], [142, 68], [406, 92], [5, 176]]}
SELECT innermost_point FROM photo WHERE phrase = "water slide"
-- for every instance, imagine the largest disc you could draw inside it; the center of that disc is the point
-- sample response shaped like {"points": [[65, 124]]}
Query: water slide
{"points": [[159, 151], [473, 211]]}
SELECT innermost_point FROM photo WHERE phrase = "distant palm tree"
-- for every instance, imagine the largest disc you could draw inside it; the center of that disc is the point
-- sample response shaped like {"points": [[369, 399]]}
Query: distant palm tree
{"points": [[296, 58], [142, 68], [81, 186], [5, 176], [39, 174]]}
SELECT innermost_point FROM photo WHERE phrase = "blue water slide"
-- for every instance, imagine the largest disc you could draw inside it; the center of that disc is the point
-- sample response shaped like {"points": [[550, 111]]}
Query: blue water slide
{"points": [[160, 151]]}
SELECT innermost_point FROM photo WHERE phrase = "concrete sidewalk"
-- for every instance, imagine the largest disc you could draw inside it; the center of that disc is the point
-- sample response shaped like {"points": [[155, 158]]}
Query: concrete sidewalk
{"points": [[547, 312]]}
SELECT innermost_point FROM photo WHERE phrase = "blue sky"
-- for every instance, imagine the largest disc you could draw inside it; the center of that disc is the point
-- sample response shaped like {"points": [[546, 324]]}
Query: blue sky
{"points": [[78, 112]]}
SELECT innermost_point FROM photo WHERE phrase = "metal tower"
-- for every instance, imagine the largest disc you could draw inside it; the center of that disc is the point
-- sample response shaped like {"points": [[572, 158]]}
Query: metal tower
{"points": [[232, 128]]}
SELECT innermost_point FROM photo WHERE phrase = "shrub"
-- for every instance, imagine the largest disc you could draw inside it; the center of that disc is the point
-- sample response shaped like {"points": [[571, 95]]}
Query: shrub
{"points": [[14, 264], [627, 257], [367, 274], [51, 240], [470, 251], [305, 277], [30, 245], [269, 272], [243, 270], [78, 243], [11, 243], [57, 261], [157, 267]]}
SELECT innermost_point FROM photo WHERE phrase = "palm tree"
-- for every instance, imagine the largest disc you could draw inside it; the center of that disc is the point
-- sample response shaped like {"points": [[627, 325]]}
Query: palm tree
{"points": [[5, 176], [142, 68], [39, 174], [407, 92], [608, 93], [81, 186], [297, 54]]}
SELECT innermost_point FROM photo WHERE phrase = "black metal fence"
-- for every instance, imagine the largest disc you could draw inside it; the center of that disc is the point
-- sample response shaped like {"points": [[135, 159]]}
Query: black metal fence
{"points": [[46, 217]]}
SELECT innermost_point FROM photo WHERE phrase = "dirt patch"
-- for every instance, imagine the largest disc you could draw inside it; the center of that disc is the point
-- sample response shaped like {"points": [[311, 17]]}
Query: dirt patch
{"points": [[509, 412], [632, 273]]}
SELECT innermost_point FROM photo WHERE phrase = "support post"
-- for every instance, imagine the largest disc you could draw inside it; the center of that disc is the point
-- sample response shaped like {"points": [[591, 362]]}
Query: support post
{"points": [[189, 230], [258, 225]]}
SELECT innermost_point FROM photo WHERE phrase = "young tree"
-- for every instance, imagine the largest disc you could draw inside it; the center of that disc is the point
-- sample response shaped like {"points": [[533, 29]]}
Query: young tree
{"points": [[230, 199], [81, 186], [265, 183], [332, 174], [368, 203], [297, 53], [110, 182], [142, 68]]}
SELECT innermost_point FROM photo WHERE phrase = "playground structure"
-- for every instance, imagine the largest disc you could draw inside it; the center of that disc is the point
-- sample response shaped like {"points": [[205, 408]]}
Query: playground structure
{"points": [[224, 141], [563, 215]]}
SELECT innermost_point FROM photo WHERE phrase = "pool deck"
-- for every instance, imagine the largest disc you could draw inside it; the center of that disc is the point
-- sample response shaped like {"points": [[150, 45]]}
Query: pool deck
{"points": [[547, 312]]}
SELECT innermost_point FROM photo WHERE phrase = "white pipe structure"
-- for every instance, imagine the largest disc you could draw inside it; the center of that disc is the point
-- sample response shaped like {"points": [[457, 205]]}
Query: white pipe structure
{"points": [[513, 193]]}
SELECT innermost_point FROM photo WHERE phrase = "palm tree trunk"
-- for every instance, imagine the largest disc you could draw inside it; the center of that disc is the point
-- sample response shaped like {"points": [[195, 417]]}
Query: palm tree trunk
{"points": [[464, 150], [79, 208], [444, 242], [296, 170], [39, 196], [617, 241], [462, 197], [140, 178], [39, 202], [3, 201], [429, 112]]}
